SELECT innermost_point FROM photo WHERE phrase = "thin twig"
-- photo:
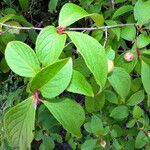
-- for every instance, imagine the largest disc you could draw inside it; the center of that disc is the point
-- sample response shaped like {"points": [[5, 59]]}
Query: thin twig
{"points": [[71, 29], [106, 37]]}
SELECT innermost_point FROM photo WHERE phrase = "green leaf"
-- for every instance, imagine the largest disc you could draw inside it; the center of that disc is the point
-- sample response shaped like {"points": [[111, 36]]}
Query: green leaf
{"points": [[145, 75], [98, 19], [137, 112], [69, 113], [93, 54], [71, 13], [143, 40], [97, 126], [96, 103], [128, 33], [49, 45], [136, 98], [121, 81], [89, 144], [131, 123], [24, 4], [111, 97], [21, 59], [141, 140], [142, 12], [120, 112], [122, 10], [52, 5], [80, 85], [54, 78], [19, 124], [116, 31]]}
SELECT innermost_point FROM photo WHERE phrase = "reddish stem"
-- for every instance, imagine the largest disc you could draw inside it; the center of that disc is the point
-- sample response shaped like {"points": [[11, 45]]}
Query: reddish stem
{"points": [[139, 54], [36, 99]]}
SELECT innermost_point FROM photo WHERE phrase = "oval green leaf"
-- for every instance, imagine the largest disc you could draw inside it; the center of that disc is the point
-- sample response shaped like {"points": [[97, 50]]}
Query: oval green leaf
{"points": [[21, 59], [54, 78], [69, 113], [19, 124], [93, 54], [80, 85], [49, 45]]}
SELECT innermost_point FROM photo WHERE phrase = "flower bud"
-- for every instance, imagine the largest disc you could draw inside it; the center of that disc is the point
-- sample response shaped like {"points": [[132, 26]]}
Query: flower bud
{"points": [[110, 66], [103, 143], [129, 56]]}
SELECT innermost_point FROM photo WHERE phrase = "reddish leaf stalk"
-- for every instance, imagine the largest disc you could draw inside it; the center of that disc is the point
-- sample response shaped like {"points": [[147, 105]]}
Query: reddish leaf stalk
{"points": [[139, 54], [36, 99]]}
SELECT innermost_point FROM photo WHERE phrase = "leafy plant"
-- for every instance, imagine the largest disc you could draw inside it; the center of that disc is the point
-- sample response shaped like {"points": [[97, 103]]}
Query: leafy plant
{"points": [[107, 63]]}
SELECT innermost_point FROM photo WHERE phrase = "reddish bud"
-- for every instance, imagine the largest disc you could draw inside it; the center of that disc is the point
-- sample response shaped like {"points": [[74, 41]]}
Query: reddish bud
{"points": [[60, 30], [110, 66], [129, 56], [103, 143]]}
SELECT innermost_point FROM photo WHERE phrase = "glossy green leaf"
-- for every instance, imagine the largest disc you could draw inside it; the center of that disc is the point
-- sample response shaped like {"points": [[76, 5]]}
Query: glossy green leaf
{"points": [[141, 140], [93, 54], [69, 113], [122, 10], [97, 126], [95, 104], [143, 40], [137, 112], [120, 112], [116, 31], [136, 98], [89, 144], [49, 45], [52, 5], [121, 81], [54, 78], [80, 85], [24, 4], [128, 33], [22, 59], [145, 75], [71, 13], [142, 12], [19, 124]]}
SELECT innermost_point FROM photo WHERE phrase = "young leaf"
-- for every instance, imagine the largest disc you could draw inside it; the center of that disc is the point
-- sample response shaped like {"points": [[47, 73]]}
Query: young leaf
{"points": [[49, 45], [80, 85], [69, 113], [54, 79], [93, 54], [52, 5], [71, 13], [145, 75], [24, 4], [143, 40], [142, 12], [94, 104], [136, 98], [121, 81], [21, 59], [120, 112], [122, 10], [19, 124], [137, 112], [89, 144], [141, 140], [128, 33], [97, 126]]}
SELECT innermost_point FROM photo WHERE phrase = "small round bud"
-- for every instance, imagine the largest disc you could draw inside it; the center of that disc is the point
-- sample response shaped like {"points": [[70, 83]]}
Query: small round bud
{"points": [[129, 56], [110, 66], [103, 143], [148, 133]]}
